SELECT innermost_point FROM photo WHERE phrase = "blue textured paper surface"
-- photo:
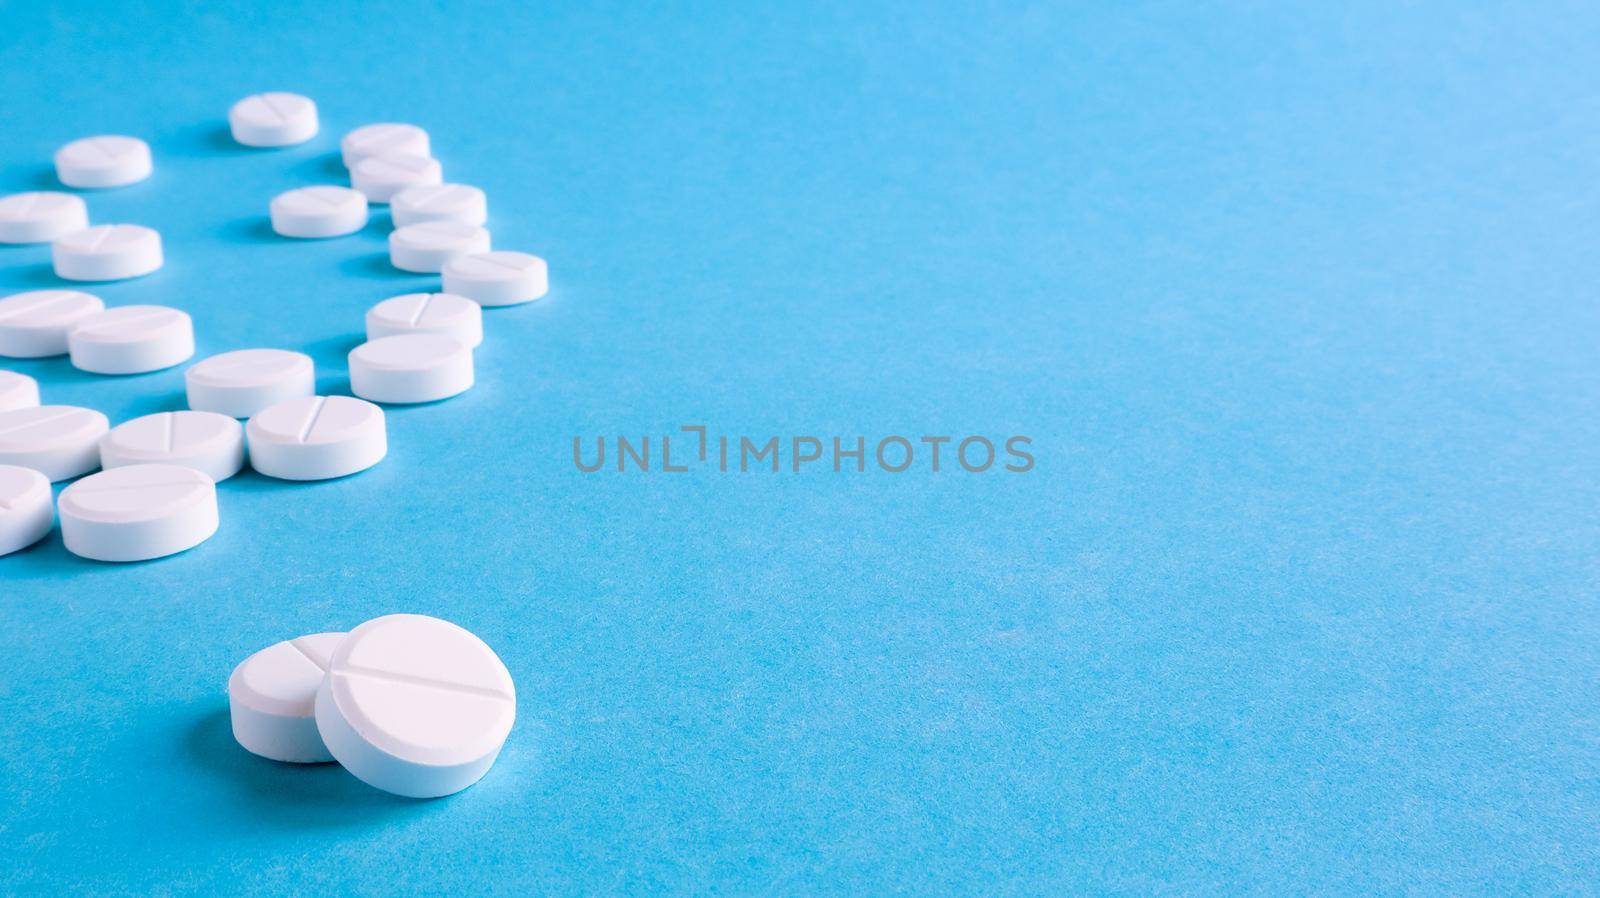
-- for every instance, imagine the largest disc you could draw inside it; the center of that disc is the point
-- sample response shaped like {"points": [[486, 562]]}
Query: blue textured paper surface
{"points": [[1298, 305]]}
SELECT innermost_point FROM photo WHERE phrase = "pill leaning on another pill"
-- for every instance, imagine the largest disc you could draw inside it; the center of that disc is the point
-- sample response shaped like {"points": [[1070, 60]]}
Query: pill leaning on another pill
{"points": [[17, 391], [36, 323], [58, 441], [415, 705], [110, 160], [110, 252], [272, 699], [326, 210], [316, 438], [381, 177], [245, 381], [427, 313], [382, 138], [211, 443], [410, 368], [138, 512], [439, 202], [425, 247], [41, 216], [274, 119], [26, 512], [131, 340], [497, 279]]}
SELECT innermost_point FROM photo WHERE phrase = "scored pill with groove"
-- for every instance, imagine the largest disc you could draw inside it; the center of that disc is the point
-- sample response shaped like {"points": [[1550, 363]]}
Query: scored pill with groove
{"points": [[326, 210], [415, 705], [138, 512], [382, 138], [425, 247], [316, 438], [58, 441], [210, 443], [131, 340], [498, 278], [17, 391], [26, 512], [381, 177], [427, 313], [273, 119], [110, 160], [439, 202], [36, 323], [272, 699], [111, 252], [41, 216]]}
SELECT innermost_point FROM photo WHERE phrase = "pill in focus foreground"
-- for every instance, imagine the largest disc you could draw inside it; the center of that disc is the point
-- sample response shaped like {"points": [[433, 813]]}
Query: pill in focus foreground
{"points": [[415, 705]]}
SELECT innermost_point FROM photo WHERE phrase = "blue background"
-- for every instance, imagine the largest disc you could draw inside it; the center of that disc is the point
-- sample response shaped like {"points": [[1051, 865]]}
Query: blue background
{"points": [[1298, 305]]}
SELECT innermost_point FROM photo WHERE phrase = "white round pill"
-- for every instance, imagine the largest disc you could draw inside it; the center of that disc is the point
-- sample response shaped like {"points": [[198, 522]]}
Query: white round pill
{"points": [[439, 202], [106, 161], [41, 216], [272, 699], [245, 381], [326, 210], [131, 340], [415, 705], [17, 391], [273, 120], [425, 247], [36, 323], [381, 177], [26, 512], [410, 368], [210, 443], [497, 279], [138, 512], [427, 313], [107, 253], [376, 140], [58, 441], [317, 438]]}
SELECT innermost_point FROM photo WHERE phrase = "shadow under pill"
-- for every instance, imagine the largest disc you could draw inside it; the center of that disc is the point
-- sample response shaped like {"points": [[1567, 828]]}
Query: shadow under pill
{"points": [[378, 266], [252, 229], [39, 276], [289, 796]]}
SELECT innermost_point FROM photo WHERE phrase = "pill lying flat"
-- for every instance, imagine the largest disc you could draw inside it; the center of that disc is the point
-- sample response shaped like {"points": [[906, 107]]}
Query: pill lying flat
{"points": [[106, 161], [316, 438], [58, 441], [36, 323], [439, 202], [272, 699], [273, 120], [425, 247], [410, 368], [427, 313], [245, 381], [382, 138], [17, 391], [210, 443], [41, 216], [381, 177], [107, 253], [138, 512], [26, 512], [326, 210], [131, 340], [497, 279], [415, 705]]}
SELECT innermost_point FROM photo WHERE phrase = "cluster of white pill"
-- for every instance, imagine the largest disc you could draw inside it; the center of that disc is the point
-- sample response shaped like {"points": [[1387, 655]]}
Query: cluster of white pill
{"points": [[156, 495], [410, 704]]}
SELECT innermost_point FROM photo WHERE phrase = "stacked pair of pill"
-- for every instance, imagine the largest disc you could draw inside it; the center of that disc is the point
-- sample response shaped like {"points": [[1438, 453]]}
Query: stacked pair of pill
{"points": [[410, 704]]}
